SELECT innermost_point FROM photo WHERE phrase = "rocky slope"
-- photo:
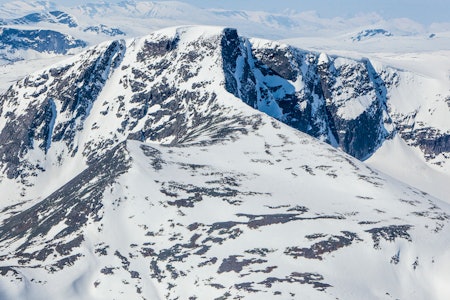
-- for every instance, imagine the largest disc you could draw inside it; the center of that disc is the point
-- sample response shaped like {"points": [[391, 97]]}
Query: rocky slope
{"points": [[139, 169]]}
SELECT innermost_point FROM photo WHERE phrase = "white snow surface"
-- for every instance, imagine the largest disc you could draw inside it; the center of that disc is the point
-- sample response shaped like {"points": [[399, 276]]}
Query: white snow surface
{"points": [[407, 164]]}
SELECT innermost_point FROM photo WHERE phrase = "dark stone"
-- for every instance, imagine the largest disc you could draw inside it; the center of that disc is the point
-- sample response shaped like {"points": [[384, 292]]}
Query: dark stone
{"points": [[313, 279], [232, 264], [389, 233], [316, 250]]}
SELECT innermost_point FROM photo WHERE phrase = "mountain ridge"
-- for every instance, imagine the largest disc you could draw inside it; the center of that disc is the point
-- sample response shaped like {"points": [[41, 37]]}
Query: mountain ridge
{"points": [[347, 103]]}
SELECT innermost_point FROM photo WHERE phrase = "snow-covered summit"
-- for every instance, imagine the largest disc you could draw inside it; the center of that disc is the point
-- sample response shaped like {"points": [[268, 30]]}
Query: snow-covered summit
{"points": [[355, 105]]}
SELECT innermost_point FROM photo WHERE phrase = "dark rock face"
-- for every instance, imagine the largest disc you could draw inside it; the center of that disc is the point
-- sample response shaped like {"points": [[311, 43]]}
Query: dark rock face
{"points": [[430, 140], [434, 144], [233, 50], [277, 61], [362, 136], [358, 135], [15, 141], [266, 78], [74, 94], [341, 101], [254, 83]]}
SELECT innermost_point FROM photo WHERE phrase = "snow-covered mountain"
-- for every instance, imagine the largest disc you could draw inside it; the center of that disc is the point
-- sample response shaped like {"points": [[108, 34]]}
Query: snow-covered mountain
{"points": [[140, 169], [356, 105], [176, 165], [353, 104]]}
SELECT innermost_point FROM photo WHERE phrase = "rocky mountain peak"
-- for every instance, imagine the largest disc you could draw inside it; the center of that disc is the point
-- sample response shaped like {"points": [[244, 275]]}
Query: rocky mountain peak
{"points": [[158, 168], [164, 88], [152, 88]]}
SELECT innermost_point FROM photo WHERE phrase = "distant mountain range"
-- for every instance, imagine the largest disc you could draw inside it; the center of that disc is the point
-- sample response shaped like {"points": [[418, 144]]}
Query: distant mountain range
{"points": [[99, 21], [154, 14], [55, 17]]}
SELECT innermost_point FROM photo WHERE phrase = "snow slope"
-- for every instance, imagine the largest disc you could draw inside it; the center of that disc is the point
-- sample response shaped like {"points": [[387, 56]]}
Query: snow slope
{"points": [[400, 161]]}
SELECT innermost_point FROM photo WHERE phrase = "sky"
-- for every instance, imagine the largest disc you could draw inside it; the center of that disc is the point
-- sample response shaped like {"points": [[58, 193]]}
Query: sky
{"points": [[422, 11]]}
